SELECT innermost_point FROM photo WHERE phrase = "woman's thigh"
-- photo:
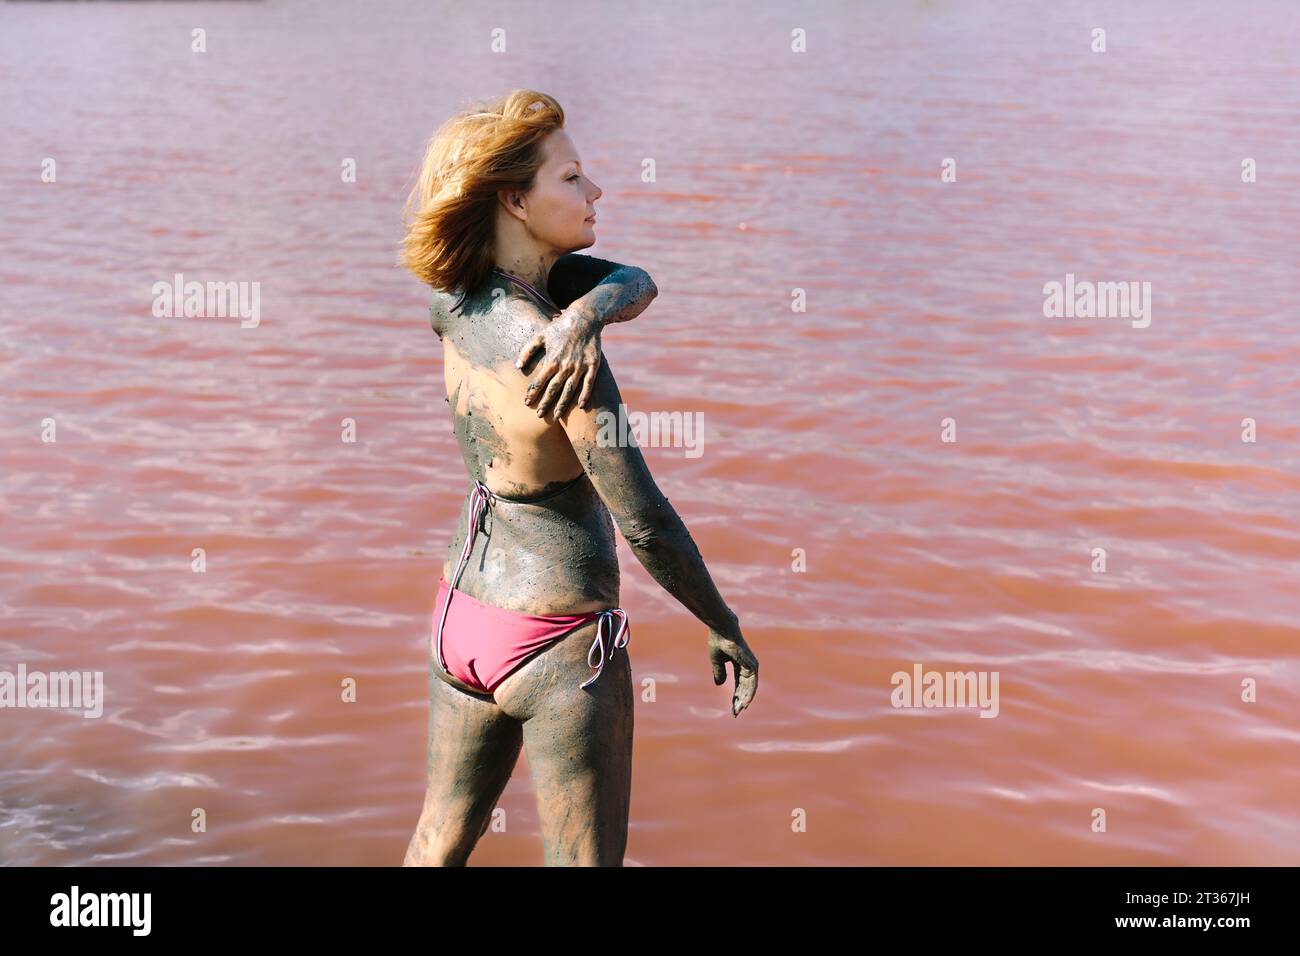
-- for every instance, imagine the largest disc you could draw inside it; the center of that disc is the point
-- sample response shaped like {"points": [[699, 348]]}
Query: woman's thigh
{"points": [[472, 750], [579, 746]]}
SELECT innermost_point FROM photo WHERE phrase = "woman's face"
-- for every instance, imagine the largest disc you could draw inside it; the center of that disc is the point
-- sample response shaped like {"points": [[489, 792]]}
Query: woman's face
{"points": [[561, 202]]}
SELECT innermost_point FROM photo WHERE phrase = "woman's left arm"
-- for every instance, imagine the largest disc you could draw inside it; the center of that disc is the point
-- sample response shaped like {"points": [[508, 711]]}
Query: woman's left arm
{"points": [[591, 293]]}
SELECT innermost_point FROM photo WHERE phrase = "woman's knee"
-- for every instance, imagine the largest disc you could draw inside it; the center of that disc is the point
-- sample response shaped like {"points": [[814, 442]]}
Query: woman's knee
{"points": [[447, 846]]}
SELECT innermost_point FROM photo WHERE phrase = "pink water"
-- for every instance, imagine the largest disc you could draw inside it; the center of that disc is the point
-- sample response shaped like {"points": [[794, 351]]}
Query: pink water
{"points": [[775, 171]]}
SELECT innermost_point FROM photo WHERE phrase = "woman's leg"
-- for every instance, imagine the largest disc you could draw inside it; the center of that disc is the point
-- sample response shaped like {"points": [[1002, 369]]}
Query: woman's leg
{"points": [[472, 750], [579, 746]]}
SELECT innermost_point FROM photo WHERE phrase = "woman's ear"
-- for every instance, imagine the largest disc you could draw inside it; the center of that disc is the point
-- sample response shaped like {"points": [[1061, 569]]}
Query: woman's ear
{"points": [[514, 202]]}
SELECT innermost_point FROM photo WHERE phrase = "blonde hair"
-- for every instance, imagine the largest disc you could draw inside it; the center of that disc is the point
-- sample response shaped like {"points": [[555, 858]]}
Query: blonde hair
{"points": [[450, 215]]}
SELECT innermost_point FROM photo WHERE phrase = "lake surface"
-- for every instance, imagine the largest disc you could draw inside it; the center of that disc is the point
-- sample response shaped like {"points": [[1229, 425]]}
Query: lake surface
{"points": [[780, 177]]}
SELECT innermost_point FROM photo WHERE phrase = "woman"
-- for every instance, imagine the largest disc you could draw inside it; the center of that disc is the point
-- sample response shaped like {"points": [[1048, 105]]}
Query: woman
{"points": [[524, 651]]}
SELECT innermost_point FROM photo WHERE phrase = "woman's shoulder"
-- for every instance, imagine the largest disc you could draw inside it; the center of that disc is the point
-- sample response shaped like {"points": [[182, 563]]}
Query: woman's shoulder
{"points": [[489, 331], [441, 306]]}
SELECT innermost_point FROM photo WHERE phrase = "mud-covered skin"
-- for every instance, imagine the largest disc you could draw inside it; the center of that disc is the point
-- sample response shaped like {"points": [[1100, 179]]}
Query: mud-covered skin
{"points": [[579, 744], [647, 520], [579, 740], [523, 566], [552, 556], [556, 556], [592, 293]]}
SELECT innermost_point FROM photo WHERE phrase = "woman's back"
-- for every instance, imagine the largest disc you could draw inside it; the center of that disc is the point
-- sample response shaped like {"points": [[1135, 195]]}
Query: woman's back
{"points": [[557, 555]]}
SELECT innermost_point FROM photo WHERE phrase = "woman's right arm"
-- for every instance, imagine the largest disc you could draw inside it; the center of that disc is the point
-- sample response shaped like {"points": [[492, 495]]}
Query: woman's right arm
{"points": [[645, 517], [655, 532]]}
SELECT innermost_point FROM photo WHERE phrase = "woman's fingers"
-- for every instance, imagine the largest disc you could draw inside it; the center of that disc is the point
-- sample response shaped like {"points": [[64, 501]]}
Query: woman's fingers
{"points": [[746, 669], [525, 355], [746, 688], [562, 377], [719, 661], [744, 666], [564, 402], [569, 386], [588, 383], [570, 372], [538, 385]]}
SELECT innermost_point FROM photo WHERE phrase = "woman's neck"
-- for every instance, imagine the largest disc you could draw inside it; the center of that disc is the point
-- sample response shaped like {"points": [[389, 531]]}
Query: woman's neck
{"points": [[530, 284], [518, 284], [532, 269]]}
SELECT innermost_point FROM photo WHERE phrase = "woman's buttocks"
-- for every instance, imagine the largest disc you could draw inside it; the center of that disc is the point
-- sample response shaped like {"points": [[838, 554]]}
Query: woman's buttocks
{"points": [[557, 556]]}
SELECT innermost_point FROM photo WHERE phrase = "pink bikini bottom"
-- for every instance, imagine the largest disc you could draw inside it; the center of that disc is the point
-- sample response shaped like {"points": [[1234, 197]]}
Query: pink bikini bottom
{"points": [[481, 645]]}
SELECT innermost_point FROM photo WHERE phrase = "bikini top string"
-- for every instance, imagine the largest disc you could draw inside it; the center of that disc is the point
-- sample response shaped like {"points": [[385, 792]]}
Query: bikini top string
{"points": [[479, 499], [541, 297]]}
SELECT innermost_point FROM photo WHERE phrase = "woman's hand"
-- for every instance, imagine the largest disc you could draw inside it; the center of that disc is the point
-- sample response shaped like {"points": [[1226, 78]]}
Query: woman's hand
{"points": [[568, 369], [743, 663]]}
